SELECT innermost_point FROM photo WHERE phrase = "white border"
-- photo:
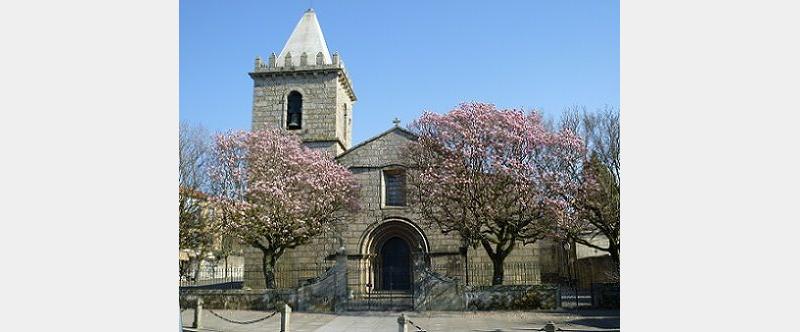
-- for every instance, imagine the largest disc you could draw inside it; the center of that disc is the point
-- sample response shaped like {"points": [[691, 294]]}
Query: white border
{"points": [[89, 126]]}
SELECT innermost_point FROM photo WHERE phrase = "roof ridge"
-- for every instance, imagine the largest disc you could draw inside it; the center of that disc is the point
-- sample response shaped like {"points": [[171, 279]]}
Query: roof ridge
{"points": [[373, 138]]}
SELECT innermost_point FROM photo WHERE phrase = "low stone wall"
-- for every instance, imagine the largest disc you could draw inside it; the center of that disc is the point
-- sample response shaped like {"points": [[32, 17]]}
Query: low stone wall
{"points": [[238, 299], [322, 296], [511, 297], [326, 294], [433, 291]]}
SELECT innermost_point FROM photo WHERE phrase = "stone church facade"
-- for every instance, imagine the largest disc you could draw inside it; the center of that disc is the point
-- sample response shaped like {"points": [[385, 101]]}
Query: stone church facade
{"points": [[308, 91]]}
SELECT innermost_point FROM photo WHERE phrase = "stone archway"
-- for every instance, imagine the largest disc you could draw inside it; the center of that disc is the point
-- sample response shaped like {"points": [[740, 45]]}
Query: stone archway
{"points": [[391, 251]]}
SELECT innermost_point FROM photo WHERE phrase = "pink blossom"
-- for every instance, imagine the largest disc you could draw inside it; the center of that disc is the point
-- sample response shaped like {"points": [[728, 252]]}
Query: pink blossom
{"points": [[274, 192], [494, 176]]}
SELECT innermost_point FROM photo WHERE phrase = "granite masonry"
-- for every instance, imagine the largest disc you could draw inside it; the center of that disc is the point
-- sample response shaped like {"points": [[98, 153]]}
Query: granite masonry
{"points": [[384, 249]]}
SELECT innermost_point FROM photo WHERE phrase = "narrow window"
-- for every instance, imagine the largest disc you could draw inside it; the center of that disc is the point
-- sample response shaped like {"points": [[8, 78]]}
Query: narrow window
{"points": [[294, 112], [394, 187], [345, 123]]}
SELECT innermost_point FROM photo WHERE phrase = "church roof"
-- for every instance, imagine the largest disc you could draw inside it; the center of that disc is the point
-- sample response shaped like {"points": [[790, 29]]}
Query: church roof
{"points": [[306, 37], [399, 130]]}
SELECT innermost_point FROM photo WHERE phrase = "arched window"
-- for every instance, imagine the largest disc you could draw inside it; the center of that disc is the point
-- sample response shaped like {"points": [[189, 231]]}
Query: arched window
{"points": [[294, 111]]}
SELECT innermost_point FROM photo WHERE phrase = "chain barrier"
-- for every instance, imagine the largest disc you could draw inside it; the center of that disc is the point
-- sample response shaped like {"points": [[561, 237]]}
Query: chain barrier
{"points": [[419, 328], [242, 322]]}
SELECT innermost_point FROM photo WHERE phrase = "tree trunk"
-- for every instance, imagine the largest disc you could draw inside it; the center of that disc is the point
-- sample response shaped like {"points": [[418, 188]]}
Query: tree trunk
{"points": [[613, 249], [498, 256], [466, 267], [498, 271], [268, 268]]}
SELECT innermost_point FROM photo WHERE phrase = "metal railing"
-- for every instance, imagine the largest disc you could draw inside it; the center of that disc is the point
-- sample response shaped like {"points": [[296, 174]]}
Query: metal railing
{"points": [[481, 274], [212, 275], [290, 277], [286, 277]]}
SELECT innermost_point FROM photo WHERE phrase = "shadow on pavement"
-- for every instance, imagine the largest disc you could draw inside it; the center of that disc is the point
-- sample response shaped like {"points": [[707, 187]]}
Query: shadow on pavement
{"points": [[605, 322]]}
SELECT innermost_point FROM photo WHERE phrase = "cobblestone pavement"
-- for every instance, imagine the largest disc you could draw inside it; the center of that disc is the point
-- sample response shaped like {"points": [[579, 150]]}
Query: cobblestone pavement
{"points": [[431, 321]]}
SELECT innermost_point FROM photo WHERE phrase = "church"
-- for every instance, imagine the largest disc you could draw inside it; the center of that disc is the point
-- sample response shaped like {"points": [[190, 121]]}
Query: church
{"points": [[306, 90]]}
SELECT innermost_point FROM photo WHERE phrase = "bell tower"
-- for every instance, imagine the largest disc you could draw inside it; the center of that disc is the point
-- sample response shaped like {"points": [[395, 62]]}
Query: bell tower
{"points": [[305, 90]]}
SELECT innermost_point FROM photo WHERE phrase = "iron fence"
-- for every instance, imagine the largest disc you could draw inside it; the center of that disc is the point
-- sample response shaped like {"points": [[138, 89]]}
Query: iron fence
{"points": [[481, 274], [286, 277], [290, 277], [211, 276]]}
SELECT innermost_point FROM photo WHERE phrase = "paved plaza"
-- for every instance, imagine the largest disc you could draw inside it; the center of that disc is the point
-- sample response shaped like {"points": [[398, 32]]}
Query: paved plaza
{"points": [[431, 321]]}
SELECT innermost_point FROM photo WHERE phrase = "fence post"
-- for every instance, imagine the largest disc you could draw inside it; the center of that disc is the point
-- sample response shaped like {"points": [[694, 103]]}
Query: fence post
{"points": [[286, 313], [401, 321], [198, 314], [550, 327]]}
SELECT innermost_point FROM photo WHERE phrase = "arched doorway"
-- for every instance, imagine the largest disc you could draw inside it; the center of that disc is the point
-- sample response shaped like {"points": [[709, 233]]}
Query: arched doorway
{"points": [[391, 249], [395, 265]]}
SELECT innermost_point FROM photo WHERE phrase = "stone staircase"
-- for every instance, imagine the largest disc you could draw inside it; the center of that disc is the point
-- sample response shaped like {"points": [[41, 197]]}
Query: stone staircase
{"points": [[382, 301]]}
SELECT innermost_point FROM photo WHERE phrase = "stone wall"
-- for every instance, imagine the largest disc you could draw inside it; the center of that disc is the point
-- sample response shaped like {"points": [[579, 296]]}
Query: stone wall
{"points": [[433, 291], [596, 270], [238, 299], [326, 104], [367, 162], [509, 297], [325, 294], [307, 262], [328, 293]]}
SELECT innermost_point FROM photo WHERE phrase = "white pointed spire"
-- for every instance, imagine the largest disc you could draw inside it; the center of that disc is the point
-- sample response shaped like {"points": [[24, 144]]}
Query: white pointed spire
{"points": [[306, 37]]}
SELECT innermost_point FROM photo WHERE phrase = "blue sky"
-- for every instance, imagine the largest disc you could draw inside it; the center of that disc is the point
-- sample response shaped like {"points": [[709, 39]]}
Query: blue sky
{"points": [[405, 57]]}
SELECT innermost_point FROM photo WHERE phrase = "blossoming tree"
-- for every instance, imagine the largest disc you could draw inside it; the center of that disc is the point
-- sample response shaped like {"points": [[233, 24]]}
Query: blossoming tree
{"points": [[496, 177], [596, 210], [275, 194]]}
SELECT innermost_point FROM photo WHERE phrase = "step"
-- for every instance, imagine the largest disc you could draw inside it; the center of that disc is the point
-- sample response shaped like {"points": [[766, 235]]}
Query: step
{"points": [[395, 309], [351, 307], [385, 295], [381, 304]]}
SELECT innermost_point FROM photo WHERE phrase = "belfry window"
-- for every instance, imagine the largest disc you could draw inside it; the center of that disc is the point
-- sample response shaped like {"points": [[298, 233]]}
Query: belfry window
{"points": [[394, 187], [294, 110]]}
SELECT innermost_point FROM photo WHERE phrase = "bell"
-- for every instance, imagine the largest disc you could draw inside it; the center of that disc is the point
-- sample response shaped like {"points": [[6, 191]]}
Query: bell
{"points": [[294, 120]]}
